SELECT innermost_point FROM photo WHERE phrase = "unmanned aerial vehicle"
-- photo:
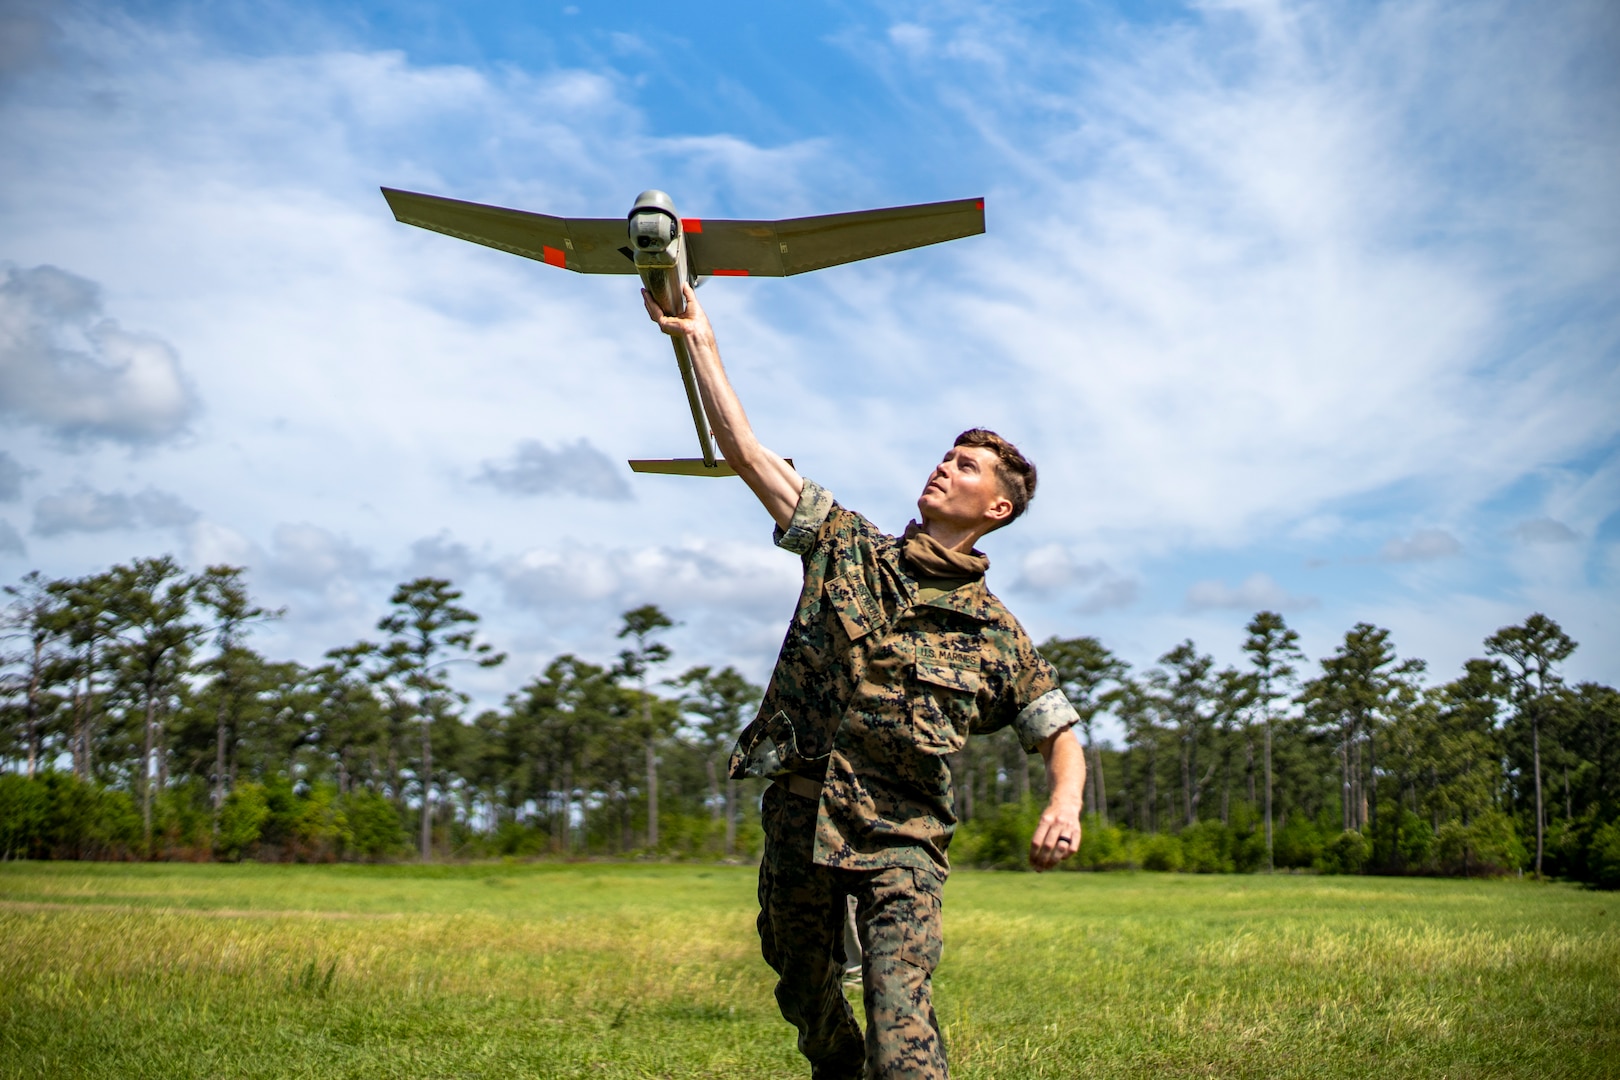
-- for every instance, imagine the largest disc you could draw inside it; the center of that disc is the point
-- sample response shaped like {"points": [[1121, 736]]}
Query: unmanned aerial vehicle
{"points": [[667, 250]]}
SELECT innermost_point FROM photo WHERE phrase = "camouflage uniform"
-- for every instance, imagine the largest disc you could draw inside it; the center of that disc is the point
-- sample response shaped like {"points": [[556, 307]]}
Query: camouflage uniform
{"points": [[880, 677]]}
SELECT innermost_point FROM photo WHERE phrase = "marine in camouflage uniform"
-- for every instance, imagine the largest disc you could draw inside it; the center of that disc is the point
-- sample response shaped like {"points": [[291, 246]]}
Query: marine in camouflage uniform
{"points": [[896, 654]]}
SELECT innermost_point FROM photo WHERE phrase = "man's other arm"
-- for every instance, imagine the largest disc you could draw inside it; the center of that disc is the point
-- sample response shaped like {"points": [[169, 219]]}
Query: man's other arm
{"points": [[1058, 834], [772, 480]]}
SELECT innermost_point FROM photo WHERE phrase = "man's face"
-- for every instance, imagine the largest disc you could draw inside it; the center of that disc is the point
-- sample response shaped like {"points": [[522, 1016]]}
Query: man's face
{"points": [[963, 490]]}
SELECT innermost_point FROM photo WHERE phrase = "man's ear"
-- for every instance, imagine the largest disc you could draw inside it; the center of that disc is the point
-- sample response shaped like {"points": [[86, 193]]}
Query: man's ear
{"points": [[999, 511]]}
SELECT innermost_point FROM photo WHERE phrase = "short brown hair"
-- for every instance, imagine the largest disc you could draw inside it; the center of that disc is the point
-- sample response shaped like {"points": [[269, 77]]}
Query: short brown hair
{"points": [[1015, 471]]}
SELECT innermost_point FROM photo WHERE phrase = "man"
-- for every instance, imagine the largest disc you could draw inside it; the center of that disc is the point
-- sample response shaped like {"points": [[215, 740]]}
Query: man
{"points": [[896, 653]]}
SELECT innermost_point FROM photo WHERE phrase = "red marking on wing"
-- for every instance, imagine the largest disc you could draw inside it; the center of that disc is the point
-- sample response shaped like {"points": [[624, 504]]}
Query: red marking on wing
{"points": [[553, 256], [729, 273], [691, 224], [981, 204]]}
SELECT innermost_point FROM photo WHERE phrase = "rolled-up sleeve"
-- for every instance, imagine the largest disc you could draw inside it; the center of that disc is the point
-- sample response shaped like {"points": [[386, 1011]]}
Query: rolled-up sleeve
{"points": [[815, 503], [1044, 717]]}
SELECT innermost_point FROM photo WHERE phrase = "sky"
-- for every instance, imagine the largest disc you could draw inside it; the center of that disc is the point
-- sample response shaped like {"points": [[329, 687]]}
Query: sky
{"points": [[1311, 307]]}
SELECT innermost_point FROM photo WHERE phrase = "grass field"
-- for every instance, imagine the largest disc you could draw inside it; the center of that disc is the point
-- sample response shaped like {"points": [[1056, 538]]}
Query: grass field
{"points": [[616, 970]]}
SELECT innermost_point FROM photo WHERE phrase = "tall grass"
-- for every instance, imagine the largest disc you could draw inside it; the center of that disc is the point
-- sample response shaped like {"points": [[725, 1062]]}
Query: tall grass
{"points": [[616, 970]]}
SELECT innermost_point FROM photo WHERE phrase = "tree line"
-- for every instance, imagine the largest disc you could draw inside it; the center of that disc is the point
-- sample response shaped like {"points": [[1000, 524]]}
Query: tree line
{"points": [[139, 721]]}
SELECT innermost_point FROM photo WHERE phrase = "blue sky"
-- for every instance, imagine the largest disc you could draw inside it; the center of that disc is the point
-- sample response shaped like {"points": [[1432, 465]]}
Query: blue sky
{"points": [[1305, 306]]}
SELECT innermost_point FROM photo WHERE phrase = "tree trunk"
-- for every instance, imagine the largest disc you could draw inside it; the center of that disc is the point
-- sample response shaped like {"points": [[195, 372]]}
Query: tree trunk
{"points": [[1535, 742], [1102, 791], [731, 816], [652, 770], [33, 709], [1271, 862], [427, 791], [1372, 780], [565, 819], [146, 769], [1248, 765], [1344, 777], [219, 758]]}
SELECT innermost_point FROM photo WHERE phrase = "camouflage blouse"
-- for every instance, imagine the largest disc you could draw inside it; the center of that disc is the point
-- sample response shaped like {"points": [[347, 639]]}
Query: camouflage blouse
{"points": [[874, 686]]}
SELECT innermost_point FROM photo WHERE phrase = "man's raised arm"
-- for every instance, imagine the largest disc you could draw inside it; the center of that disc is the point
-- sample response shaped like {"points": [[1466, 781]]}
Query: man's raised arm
{"points": [[771, 479]]}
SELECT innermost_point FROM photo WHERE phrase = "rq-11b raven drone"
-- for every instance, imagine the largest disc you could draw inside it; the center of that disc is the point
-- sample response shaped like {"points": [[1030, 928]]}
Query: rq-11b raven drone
{"points": [[667, 250]]}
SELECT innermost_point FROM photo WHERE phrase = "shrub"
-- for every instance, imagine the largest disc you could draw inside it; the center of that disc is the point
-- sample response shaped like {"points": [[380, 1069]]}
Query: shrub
{"points": [[1487, 845], [1161, 851], [1346, 853], [1204, 848], [85, 821], [375, 830], [1603, 857], [24, 808], [320, 829], [183, 821], [1298, 844], [241, 821], [1102, 847]]}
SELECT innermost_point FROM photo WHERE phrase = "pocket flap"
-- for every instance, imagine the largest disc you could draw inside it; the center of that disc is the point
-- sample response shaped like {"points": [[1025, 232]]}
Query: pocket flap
{"points": [[948, 675], [857, 608]]}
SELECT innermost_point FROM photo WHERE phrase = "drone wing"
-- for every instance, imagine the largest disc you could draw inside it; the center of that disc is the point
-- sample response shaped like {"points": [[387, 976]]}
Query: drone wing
{"points": [[584, 245], [723, 248]]}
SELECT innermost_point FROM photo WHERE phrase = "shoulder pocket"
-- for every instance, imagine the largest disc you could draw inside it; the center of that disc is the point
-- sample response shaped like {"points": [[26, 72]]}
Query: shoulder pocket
{"points": [[856, 607]]}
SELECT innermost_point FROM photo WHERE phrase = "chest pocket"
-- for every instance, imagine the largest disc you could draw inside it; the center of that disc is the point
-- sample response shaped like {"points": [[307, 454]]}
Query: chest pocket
{"points": [[944, 703], [855, 605]]}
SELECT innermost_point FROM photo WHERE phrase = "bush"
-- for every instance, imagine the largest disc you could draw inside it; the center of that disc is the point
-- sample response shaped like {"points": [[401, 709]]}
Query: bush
{"points": [[84, 821], [1205, 847], [183, 821], [24, 808], [241, 821], [375, 830], [1586, 849], [1160, 851], [1603, 857], [1102, 847], [1403, 843], [1487, 845], [1346, 853], [1298, 844]]}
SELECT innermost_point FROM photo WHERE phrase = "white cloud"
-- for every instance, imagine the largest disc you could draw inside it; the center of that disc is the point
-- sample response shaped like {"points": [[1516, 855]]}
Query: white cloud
{"points": [[571, 469], [82, 509], [1258, 592], [10, 542], [1543, 531], [747, 578], [311, 558], [11, 478], [440, 556], [1053, 566], [1422, 545], [80, 376], [1245, 275], [1110, 595]]}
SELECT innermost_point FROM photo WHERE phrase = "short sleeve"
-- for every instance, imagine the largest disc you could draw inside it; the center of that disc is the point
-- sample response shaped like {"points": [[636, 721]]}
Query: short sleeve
{"points": [[1044, 717], [1042, 709], [815, 503]]}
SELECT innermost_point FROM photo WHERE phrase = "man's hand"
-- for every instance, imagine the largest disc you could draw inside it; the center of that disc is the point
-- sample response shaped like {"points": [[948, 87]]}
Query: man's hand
{"points": [[1056, 837], [767, 475], [1058, 834], [694, 325]]}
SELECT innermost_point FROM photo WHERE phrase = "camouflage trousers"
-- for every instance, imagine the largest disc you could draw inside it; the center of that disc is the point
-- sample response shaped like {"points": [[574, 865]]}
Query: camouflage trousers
{"points": [[801, 931]]}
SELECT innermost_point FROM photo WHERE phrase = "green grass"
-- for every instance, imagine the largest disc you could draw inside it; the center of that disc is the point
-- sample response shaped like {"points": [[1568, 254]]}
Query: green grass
{"points": [[617, 970]]}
